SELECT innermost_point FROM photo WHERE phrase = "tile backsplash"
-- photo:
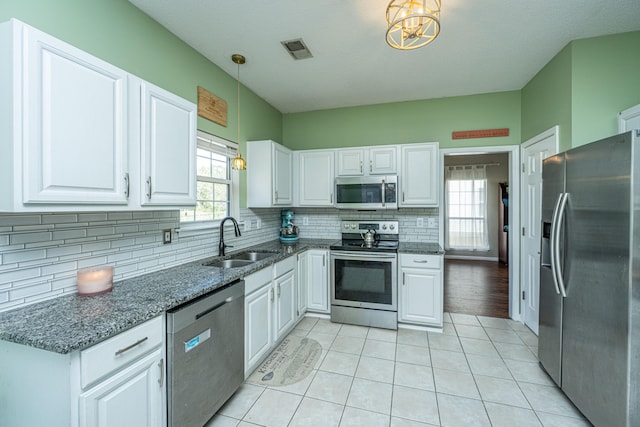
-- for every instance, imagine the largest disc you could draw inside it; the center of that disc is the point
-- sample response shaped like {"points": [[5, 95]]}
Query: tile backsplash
{"points": [[41, 253]]}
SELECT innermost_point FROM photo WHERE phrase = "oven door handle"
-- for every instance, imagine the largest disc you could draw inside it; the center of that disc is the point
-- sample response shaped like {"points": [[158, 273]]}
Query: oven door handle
{"points": [[364, 256]]}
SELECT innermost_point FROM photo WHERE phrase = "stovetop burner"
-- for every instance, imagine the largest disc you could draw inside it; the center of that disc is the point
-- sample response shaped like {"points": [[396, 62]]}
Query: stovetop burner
{"points": [[386, 236]]}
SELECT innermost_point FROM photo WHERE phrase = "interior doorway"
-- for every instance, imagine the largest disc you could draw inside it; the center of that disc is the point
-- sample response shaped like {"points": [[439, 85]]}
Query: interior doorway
{"points": [[485, 281]]}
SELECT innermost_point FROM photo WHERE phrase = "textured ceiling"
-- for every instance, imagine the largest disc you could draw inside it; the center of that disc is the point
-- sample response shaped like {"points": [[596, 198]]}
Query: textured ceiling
{"points": [[484, 46]]}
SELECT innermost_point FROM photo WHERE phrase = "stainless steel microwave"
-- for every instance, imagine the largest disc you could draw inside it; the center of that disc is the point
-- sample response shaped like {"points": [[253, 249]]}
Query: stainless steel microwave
{"points": [[367, 192]]}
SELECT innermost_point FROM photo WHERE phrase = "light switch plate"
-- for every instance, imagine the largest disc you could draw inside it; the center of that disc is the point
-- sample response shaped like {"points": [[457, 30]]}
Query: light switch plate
{"points": [[166, 236], [419, 222], [258, 223], [247, 225], [431, 222]]}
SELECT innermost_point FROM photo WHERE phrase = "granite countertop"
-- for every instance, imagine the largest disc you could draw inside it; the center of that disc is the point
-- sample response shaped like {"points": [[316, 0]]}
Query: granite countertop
{"points": [[74, 322], [420, 248]]}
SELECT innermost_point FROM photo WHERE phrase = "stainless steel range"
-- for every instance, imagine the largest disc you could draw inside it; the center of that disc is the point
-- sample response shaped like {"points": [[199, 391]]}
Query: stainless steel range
{"points": [[364, 288]]}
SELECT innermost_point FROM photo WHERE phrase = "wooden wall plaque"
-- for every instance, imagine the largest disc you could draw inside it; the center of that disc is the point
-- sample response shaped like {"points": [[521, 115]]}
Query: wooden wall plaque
{"points": [[484, 133], [211, 107]]}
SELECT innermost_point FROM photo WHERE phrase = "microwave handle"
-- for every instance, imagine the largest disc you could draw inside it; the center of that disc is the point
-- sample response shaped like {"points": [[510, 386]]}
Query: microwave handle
{"points": [[384, 193]]}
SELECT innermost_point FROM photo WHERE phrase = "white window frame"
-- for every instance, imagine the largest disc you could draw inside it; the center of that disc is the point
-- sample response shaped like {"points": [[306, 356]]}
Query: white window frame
{"points": [[223, 146]]}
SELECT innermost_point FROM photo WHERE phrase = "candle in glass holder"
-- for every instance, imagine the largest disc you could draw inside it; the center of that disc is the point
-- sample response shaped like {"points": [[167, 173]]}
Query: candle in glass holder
{"points": [[95, 280]]}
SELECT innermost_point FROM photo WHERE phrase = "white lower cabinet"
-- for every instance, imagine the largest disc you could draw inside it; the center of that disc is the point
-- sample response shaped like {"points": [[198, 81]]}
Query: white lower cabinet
{"points": [[302, 284], [269, 310], [133, 397], [117, 382], [420, 290], [318, 280]]}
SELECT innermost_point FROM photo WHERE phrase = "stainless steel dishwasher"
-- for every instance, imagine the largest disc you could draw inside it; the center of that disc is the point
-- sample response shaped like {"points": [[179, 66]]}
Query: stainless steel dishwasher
{"points": [[205, 354]]}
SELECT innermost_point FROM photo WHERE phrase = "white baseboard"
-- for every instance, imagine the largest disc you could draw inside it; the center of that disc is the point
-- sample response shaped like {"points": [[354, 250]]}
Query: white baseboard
{"points": [[472, 258]]}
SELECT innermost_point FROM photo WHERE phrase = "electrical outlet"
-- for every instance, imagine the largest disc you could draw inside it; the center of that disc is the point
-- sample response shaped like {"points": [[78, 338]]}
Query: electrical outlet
{"points": [[247, 225], [420, 222], [166, 236], [305, 220], [258, 223], [431, 223]]}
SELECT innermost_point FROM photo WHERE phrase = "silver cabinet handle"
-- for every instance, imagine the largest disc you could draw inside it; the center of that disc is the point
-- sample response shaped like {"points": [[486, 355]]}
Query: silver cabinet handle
{"points": [[403, 196], [403, 273], [126, 183], [360, 166], [137, 343], [161, 366], [420, 261], [278, 290], [323, 260], [370, 165], [271, 294], [149, 188]]}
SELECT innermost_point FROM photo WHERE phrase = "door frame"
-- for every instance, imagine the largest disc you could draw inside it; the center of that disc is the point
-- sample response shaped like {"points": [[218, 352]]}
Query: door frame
{"points": [[553, 132], [513, 151]]}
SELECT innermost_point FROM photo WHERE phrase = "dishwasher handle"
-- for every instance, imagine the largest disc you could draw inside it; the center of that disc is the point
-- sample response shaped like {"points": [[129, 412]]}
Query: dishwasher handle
{"points": [[214, 308]]}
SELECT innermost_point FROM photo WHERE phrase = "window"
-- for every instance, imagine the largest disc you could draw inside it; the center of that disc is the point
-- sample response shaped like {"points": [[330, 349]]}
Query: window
{"points": [[466, 204], [216, 185]]}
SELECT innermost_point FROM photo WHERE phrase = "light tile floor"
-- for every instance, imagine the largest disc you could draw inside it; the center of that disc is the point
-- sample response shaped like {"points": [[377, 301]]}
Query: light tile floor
{"points": [[480, 371]]}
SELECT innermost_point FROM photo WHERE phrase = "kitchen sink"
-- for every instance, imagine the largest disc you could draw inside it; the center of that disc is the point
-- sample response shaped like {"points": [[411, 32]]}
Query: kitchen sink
{"points": [[241, 259], [252, 255], [229, 263]]}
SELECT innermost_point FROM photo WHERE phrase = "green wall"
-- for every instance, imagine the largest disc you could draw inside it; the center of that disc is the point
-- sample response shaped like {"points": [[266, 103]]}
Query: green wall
{"points": [[407, 122], [606, 80], [583, 88], [119, 33], [546, 100]]}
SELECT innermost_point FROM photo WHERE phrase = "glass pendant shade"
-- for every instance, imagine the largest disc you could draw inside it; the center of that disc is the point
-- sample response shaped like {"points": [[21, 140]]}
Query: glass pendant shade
{"points": [[239, 163], [412, 23]]}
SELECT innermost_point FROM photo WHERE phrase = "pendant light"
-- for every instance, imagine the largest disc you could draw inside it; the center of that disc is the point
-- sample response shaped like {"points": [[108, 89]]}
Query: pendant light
{"points": [[238, 163]]}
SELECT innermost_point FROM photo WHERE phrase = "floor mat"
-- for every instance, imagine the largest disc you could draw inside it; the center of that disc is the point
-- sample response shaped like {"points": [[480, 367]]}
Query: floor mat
{"points": [[289, 363]]}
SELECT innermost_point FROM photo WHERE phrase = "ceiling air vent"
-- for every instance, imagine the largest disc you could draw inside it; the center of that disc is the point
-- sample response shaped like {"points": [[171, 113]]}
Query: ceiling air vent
{"points": [[297, 49]]}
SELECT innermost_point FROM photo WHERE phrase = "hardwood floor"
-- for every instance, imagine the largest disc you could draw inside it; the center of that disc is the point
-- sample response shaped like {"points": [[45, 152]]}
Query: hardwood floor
{"points": [[480, 288]]}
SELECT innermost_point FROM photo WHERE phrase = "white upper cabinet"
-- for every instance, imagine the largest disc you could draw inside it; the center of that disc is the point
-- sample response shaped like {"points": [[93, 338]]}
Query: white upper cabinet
{"points": [[367, 161], [168, 149], [73, 126], [269, 174], [316, 177], [65, 131], [419, 180]]}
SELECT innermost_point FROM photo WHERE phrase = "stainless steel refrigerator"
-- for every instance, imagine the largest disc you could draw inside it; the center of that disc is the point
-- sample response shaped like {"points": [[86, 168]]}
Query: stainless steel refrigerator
{"points": [[589, 334]]}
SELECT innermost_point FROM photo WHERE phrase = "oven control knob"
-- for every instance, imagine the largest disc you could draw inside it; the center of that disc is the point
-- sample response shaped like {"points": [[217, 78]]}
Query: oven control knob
{"points": [[392, 226], [384, 226], [353, 226], [346, 226]]}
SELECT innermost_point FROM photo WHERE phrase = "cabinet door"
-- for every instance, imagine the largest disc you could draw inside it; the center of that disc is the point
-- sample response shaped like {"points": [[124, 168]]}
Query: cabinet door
{"points": [[350, 162], [318, 279], [302, 283], [284, 287], [133, 397], [282, 170], [74, 125], [383, 160], [316, 178], [168, 156], [419, 181], [258, 312], [421, 296]]}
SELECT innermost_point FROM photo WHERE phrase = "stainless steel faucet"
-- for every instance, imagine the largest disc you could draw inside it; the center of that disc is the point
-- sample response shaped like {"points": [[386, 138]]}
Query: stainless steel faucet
{"points": [[236, 229]]}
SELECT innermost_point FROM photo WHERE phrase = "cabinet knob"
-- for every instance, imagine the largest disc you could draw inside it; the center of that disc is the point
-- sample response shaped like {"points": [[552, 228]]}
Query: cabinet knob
{"points": [[126, 185]]}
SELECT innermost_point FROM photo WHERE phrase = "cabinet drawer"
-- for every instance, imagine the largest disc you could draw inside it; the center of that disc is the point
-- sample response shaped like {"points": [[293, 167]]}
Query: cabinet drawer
{"points": [[420, 261], [118, 351], [257, 280], [284, 266]]}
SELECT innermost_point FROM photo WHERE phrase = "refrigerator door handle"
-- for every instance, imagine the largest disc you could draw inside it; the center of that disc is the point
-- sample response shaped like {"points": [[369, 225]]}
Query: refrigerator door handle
{"points": [[556, 244], [554, 221]]}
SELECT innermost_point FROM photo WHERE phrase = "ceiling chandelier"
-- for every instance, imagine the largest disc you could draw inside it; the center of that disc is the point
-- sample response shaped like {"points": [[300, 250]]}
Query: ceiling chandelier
{"points": [[412, 23], [238, 162]]}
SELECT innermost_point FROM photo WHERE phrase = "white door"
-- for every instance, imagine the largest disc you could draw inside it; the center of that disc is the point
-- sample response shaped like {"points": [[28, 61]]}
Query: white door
{"points": [[419, 180], [534, 152], [258, 309], [74, 126], [629, 119], [302, 283], [383, 160], [350, 162], [316, 178], [318, 280], [132, 397], [282, 170], [284, 287], [168, 148], [421, 296]]}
